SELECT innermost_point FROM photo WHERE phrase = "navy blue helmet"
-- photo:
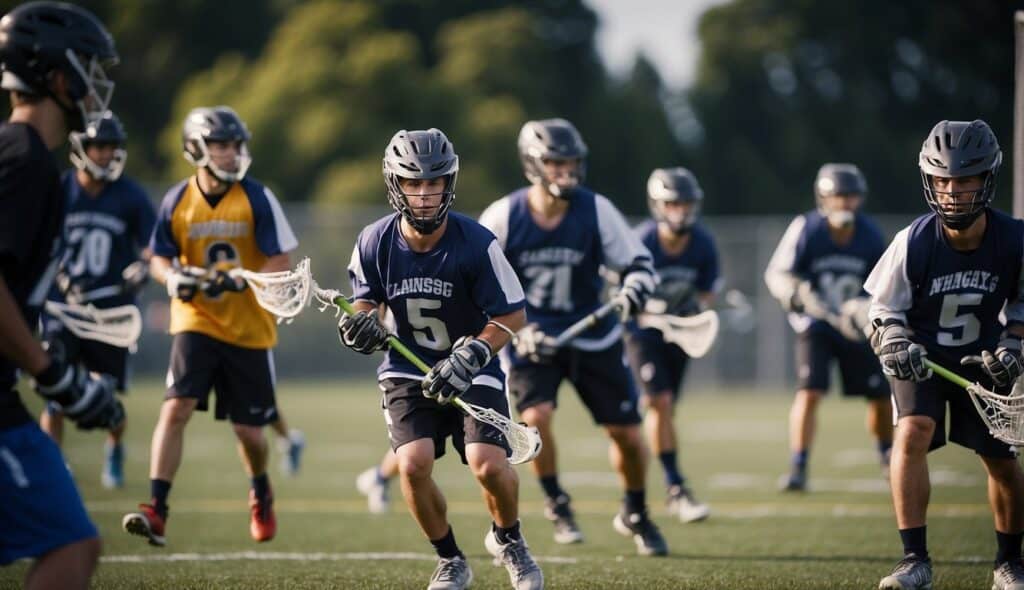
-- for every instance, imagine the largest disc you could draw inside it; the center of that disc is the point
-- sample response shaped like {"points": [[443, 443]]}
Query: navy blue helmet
{"points": [[103, 130], [221, 124]]}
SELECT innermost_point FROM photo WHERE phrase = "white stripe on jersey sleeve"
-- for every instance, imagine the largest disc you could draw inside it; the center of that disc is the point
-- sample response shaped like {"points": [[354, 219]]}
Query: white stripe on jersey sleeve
{"points": [[286, 239], [355, 266], [779, 274], [507, 278], [888, 284], [1014, 310], [621, 245], [495, 218]]}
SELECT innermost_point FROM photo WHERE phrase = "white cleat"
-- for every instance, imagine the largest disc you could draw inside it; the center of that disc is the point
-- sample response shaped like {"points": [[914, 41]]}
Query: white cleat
{"points": [[523, 571], [370, 484], [451, 574], [291, 449], [683, 504]]}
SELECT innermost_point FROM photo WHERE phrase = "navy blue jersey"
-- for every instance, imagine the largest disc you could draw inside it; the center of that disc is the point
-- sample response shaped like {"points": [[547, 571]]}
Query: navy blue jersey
{"points": [[31, 214], [683, 276], [807, 252], [436, 297], [104, 234], [951, 299], [559, 267]]}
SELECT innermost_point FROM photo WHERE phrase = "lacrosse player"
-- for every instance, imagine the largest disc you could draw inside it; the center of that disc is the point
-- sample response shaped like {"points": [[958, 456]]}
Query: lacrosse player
{"points": [[53, 58], [106, 262], [686, 259], [557, 233], [216, 220], [817, 274], [456, 302], [937, 293]]}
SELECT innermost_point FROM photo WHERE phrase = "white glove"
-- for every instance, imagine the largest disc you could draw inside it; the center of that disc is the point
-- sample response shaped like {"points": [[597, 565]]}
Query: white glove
{"points": [[637, 287], [181, 284]]}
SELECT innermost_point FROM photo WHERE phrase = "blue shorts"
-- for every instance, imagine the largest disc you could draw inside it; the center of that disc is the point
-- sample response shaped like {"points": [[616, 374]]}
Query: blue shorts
{"points": [[40, 508]]}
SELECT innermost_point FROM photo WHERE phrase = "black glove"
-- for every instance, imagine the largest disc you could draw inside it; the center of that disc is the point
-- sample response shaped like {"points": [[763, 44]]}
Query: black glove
{"points": [[86, 398], [454, 375], [1004, 365], [534, 345], [134, 277], [900, 356], [182, 284], [224, 282], [637, 286], [362, 332]]}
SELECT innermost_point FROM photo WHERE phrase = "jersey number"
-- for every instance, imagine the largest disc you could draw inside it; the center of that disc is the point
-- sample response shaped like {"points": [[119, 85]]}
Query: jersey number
{"points": [[430, 332], [837, 289], [950, 317], [92, 252], [552, 284]]}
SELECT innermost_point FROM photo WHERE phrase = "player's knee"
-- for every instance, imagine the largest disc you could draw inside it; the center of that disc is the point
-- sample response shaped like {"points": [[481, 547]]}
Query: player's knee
{"points": [[539, 415], [809, 397], [177, 411], [660, 403], [914, 434], [1003, 471], [625, 436], [250, 436], [415, 466]]}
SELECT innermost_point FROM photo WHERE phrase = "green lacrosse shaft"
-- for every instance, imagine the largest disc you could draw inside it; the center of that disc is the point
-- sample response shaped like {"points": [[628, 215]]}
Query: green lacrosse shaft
{"points": [[947, 374], [393, 340]]}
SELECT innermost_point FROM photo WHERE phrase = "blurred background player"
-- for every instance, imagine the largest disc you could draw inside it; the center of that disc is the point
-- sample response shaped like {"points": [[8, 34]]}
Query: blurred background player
{"points": [[216, 220], [686, 260], [557, 234], [938, 292], [817, 273], [456, 302], [106, 262], [53, 58]]}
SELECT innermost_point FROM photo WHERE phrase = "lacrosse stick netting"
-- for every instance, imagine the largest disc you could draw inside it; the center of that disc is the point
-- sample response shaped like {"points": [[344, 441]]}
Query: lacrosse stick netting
{"points": [[117, 326]]}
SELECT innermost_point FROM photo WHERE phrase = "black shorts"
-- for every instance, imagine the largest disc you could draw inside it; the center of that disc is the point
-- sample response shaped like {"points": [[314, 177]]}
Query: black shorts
{"points": [[859, 368], [658, 366], [411, 416], [242, 377], [931, 397], [600, 377], [96, 356]]}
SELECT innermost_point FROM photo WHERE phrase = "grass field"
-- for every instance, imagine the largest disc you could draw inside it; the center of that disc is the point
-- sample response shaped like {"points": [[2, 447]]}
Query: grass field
{"points": [[841, 535]]}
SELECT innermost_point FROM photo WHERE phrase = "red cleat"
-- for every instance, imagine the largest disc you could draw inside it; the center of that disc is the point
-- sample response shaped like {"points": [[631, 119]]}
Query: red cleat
{"points": [[147, 522], [262, 523]]}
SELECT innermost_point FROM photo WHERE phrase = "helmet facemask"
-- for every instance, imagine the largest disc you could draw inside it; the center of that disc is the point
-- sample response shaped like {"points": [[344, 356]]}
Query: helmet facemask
{"points": [[89, 88], [679, 186], [424, 224], [957, 213], [79, 157]]}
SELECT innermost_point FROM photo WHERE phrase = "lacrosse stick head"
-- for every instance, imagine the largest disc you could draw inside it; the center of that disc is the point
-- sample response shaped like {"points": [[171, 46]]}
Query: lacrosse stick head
{"points": [[284, 293], [522, 439], [117, 326], [1002, 414]]}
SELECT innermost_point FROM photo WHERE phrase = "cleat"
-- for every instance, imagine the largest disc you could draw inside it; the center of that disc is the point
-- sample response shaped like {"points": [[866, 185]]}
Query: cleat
{"points": [[911, 573], [523, 571], [559, 512], [112, 476], [147, 522], [451, 574], [291, 452], [646, 535], [1008, 575], [375, 488], [682, 503], [262, 523], [795, 481]]}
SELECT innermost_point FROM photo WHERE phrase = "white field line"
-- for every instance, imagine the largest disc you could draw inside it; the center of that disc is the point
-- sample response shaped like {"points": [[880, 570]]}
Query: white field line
{"points": [[279, 556], [797, 508]]}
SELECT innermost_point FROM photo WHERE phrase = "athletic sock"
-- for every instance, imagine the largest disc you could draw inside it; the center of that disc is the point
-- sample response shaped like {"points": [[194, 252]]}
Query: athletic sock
{"points": [[635, 501], [915, 541], [380, 477], [549, 483], [506, 536], [1009, 546], [261, 487], [884, 449], [799, 460], [446, 547], [159, 489], [670, 465]]}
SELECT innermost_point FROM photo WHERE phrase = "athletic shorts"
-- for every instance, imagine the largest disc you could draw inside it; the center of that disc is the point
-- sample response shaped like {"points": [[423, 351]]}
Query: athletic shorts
{"points": [[658, 366], [411, 416], [243, 378], [600, 377], [97, 356], [931, 398], [41, 509], [859, 368]]}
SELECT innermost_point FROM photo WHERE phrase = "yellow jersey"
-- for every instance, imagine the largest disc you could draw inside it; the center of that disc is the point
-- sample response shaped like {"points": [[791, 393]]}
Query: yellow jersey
{"points": [[241, 228]]}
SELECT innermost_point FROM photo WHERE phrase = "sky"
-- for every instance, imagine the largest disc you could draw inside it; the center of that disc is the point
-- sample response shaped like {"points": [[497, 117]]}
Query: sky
{"points": [[665, 30]]}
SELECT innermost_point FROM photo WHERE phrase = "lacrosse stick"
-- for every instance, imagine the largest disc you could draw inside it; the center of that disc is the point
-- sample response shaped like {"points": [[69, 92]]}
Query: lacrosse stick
{"points": [[117, 326], [694, 334], [1002, 414], [586, 323], [286, 293]]}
